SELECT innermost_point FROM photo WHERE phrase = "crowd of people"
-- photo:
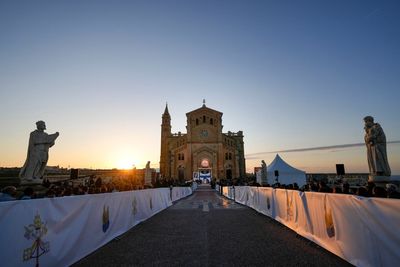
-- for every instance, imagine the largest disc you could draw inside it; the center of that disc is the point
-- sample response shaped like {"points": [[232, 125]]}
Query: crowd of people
{"points": [[95, 185], [370, 190], [92, 185]]}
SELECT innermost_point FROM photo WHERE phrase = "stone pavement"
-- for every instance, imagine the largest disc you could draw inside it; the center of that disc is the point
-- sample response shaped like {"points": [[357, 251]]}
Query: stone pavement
{"points": [[206, 229]]}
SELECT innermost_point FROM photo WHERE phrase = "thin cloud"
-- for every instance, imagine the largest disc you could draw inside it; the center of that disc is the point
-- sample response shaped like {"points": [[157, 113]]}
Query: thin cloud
{"points": [[253, 155]]}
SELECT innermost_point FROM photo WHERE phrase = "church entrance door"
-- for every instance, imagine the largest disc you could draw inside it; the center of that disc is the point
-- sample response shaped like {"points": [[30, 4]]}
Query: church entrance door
{"points": [[181, 174], [229, 174], [205, 175]]}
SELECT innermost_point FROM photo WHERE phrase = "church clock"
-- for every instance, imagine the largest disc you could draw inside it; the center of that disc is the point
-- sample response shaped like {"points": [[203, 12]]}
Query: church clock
{"points": [[204, 133]]}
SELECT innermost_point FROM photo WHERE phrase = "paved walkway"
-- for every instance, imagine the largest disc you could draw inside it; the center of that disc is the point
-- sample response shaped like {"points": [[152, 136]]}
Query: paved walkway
{"points": [[206, 229]]}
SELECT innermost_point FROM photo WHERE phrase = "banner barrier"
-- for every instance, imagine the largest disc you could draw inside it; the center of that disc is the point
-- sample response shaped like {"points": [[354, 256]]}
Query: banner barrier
{"points": [[61, 231], [180, 192], [363, 231]]}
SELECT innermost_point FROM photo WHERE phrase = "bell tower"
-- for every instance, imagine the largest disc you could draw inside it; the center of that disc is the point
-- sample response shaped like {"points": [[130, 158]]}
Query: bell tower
{"points": [[165, 133]]}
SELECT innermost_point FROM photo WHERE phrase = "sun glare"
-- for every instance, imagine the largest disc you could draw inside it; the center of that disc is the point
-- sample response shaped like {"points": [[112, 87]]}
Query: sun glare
{"points": [[125, 164]]}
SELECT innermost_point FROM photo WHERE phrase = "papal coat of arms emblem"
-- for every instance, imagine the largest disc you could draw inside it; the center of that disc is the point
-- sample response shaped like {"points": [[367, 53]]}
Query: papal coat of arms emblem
{"points": [[36, 232], [330, 227], [106, 218]]}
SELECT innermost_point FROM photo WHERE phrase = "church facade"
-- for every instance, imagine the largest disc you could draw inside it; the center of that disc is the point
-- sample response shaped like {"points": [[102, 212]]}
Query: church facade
{"points": [[204, 151]]}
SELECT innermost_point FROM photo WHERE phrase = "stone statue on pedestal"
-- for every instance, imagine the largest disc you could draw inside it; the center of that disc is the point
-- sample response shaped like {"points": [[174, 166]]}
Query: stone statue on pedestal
{"points": [[375, 140], [264, 179], [38, 154], [147, 175]]}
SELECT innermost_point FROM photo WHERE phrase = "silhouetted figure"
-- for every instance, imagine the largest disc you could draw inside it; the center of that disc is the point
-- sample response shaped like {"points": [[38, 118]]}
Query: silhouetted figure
{"points": [[379, 192], [8, 193], [323, 188], [295, 186], [28, 193], [337, 190], [98, 182], [392, 191], [46, 182], [370, 188], [362, 192], [346, 188]]}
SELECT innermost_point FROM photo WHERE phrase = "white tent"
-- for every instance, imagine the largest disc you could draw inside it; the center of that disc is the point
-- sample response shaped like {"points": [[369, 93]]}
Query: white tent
{"points": [[287, 173]]}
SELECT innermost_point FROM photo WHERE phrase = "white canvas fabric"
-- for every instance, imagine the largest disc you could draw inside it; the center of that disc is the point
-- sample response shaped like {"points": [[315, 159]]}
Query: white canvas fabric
{"points": [[72, 227], [363, 231]]}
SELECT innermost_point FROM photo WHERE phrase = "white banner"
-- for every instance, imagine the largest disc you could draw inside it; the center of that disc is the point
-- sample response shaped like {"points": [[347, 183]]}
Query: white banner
{"points": [[61, 231], [180, 192], [225, 191], [363, 231]]}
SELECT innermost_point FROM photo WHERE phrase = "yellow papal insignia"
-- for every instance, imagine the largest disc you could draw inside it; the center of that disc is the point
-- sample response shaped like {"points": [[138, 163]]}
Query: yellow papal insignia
{"points": [[106, 218], [330, 227], [134, 206], [289, 207], [36, 232], [151, 203]]}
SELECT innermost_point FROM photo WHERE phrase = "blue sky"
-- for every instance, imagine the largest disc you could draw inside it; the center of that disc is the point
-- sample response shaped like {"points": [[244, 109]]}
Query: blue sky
{"points": [[290, 74]]}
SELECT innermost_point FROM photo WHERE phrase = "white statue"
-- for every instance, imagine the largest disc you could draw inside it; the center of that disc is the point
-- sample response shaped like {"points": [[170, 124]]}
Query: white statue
{"points": [[264, 179], [375, 140], [38, 155], [147, 175]]}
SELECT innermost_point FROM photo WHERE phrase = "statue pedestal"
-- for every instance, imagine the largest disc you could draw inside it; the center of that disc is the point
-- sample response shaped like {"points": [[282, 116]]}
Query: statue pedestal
{"points": [[380, 181], [32, 182]]}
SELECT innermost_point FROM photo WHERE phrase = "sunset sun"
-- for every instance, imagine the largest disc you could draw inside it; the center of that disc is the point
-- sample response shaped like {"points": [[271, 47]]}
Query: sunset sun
{"points": [[125, 164]]}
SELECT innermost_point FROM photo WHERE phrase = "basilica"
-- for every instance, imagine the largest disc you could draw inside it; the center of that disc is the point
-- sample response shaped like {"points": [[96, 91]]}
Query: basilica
{"points": [[204, 152]]}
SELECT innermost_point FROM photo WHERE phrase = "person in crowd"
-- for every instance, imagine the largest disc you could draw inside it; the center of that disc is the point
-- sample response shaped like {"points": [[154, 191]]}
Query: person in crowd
{"points": [[378, 191], [46, 182], [314, 187], [392, 191], [370, 188], [362, 192], [67, 192], [50, 193], [76, 191], [346, 188], [91, 190], [98, 182], [104, 189], [323, 188], [85, 190], [91, 180], [8, 193], [28, 193], [337, 190]]}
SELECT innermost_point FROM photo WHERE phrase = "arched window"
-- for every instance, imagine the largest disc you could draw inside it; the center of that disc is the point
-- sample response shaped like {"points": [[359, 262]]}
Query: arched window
{"points": [[211, 121], [197, 121], [204, 119]]}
